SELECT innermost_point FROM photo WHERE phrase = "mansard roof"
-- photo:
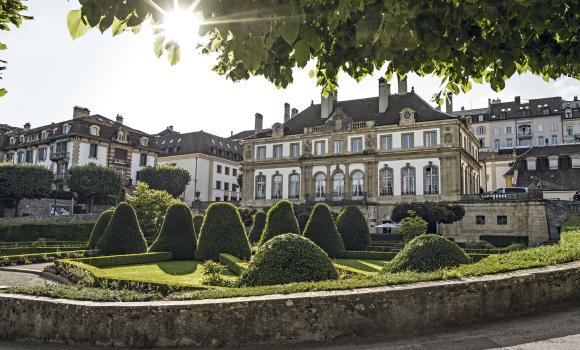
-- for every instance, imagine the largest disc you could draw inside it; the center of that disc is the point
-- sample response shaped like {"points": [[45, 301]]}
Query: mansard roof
{"points": [[80, 126], [498, 110], [365, 109], [175, 143]]}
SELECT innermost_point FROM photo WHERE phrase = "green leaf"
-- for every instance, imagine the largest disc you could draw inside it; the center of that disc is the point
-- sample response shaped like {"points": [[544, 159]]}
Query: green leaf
{"points": [[118, 26], [76, 26], [158, 45], [3, 92], [289, 32], [302, 52], [3, 46], [174, 54]]}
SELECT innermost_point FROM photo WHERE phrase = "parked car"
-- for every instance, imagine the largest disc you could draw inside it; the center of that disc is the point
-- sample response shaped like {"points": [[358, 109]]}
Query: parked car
{"points": [[504, 190], [576, 196]]}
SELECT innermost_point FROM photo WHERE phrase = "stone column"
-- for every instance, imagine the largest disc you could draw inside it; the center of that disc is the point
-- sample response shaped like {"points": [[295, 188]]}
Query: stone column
{"points": [[347, 184]]}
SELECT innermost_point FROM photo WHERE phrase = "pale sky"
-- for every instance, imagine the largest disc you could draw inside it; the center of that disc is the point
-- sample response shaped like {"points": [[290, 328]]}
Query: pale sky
{"points": [[48, 73]]}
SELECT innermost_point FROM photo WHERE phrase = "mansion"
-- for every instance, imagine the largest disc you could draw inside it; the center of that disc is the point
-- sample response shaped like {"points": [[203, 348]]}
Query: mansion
{"points": [[373, 152], [81, 140]]}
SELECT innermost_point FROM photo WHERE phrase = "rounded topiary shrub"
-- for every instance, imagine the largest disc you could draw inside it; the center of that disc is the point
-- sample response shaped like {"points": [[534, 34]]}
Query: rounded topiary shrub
{"points": [[279, 220], [100, 227], [321, 230], [257, 227], [123, 234], [354, 229], [288, 258], [222, 232], [197, 222], [177, 235], [428, 253]]}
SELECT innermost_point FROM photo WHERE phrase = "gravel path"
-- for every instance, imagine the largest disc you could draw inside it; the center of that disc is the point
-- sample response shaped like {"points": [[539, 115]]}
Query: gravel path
{"points": [[22, 279]]}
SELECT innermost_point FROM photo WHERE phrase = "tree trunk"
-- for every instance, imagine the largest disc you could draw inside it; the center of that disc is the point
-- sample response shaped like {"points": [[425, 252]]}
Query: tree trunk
{"points": [[92, 204], [16, 208]]}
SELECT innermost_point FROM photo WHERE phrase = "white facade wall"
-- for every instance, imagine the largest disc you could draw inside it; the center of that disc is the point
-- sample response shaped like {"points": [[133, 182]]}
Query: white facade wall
{"points": [[84, 149], [285, 172], [230, 179], [418, 164]]}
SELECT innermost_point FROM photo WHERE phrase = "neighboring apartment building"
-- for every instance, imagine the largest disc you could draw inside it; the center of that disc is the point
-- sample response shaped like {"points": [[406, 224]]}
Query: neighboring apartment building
{"points": [[81, 140], [555, 171], [212, 161], [374, 152], [571, 120]]}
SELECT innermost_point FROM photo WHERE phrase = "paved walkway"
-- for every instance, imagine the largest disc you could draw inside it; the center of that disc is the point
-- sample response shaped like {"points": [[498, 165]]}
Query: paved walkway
{"points": [[557, 330], [23, 276]]}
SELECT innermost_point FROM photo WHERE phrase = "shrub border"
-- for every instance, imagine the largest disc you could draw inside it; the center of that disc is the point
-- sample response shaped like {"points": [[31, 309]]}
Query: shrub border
{"points": [[235, 265]]}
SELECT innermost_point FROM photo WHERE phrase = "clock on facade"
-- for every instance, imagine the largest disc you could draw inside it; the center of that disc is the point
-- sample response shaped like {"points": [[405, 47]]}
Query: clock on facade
{"points": [[407, 115]]}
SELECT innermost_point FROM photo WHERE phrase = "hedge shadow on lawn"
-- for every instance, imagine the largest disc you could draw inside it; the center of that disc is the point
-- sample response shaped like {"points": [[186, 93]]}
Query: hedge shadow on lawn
{"points": [[178, 270]]}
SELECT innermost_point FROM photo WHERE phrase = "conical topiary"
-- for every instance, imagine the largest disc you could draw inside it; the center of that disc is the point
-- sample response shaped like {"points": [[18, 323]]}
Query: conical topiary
{"points": [[197, 222], [177, 234], [279, 220], [123, 234], [100, 227], [222, 232], [257, 227], [321, 230], [353, 228]]}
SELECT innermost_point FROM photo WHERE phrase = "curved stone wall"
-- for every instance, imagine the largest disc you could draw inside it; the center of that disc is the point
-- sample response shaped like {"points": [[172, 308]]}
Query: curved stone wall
{"points": [[301, 317]]}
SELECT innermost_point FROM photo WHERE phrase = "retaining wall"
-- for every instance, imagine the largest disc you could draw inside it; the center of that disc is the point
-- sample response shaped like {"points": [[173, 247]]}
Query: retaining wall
{"points": [[66, 218], [385, 311]]}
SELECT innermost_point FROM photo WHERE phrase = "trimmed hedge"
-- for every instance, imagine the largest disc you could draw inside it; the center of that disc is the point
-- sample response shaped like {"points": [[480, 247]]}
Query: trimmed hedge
{"points": [[504, 241], [177, 234], [37, 250], [353, 254], [20, 259], [235, 265], [288, 258], [120, 260], [197, 223], [354, 229], [279, 220], [123, 234], [222, 232], [32, 231], [427, 253], [321, 230], [100, 227], [257, 227]]}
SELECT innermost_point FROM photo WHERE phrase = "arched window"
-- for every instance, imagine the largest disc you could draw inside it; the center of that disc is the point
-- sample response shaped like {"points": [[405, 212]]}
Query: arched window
{"points": [[338, 186], [408, 178], [294, 190], [357, 185], [431, 179], [320, 186], [261, 186], [386, 176], [277, 182]]}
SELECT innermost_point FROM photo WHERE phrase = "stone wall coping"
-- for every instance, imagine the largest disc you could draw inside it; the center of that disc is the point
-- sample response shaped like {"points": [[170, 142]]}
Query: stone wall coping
{"points": [[307, 295]]}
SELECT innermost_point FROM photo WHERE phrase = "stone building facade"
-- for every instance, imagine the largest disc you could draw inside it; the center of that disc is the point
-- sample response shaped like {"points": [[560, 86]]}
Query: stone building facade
{"points": [[81, 140], [373, 152], [571, 120]]}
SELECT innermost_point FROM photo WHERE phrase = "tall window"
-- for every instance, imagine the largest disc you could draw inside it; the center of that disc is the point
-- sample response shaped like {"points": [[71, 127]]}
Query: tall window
{"points": [[261, 152], [61, 147], [93, 150], [143, 159], [496, 144], [320, 187], [29, 156], [481, 130], [319, 148], [66, 128], [277, 186], [546, 111], [386, 176], [509, 143], [357, 185], [408, 140], [431, 180], [541, 127], [338, 186], [94, 130], [356, 144], [294, 190], [337, 146], [277, 151], [294, 149], [386, 142], [261, 186], [408, 174], [508, 130], [41, 154], [430, 138], [540, 140], [554, 139]]}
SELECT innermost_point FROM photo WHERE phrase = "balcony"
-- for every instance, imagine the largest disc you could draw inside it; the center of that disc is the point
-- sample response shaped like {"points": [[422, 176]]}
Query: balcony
{"points": [[59, 177], [59, 156], [524, 196], [337, 198], [525, 133], [120, 161]]}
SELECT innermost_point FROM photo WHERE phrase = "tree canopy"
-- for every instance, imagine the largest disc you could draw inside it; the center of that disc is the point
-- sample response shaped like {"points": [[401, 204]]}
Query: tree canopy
{"points": [[11, 13], [460, 41], [93, 181], [166, 178], [18, 181]]}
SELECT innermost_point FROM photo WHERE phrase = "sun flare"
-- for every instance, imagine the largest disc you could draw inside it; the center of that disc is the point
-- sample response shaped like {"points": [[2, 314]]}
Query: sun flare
{"points": [[181, 26]]}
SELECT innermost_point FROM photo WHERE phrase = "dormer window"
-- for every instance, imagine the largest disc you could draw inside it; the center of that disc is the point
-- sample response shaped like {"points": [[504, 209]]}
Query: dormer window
{"points": [[12, 140], [121, 136], [66, 128], [21, 138], [44, 135], [144, 141], [94, 130]]}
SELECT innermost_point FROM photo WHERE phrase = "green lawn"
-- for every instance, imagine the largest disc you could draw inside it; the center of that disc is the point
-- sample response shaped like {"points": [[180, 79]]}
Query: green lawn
{"points": [[183, 273], [360, 266]]}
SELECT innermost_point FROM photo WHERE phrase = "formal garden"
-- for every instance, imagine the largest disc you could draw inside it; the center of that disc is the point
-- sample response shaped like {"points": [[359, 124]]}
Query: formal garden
{"points": [[151, 247]]}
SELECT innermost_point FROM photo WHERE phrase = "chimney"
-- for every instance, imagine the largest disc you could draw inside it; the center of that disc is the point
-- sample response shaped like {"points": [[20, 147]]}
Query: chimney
{"points": [[27, 127], [170, 128], [231, 133], [327, 105], [402, 85], [119, 119], [449, 104], [258, 123], [517, 100], [80, 112], [286, 112], [384, 93], [489, 102], [575, 98], [294, 113]]}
